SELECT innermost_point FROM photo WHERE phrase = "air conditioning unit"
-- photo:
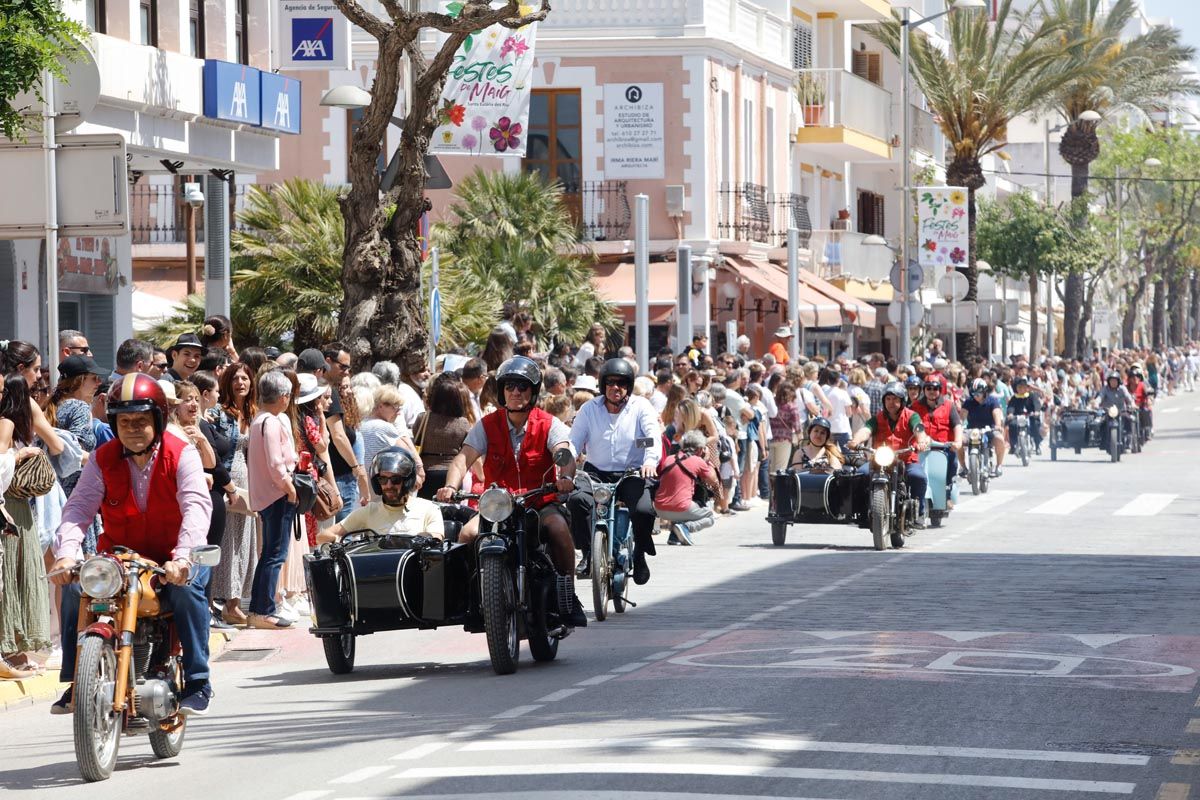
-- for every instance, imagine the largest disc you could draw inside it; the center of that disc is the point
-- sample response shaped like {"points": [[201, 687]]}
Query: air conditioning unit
{"points": [[675, 204]]}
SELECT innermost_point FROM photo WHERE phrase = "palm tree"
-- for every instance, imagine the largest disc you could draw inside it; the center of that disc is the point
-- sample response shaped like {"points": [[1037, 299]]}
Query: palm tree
{"points": [[991, 73], [512, 240], [1137, 75], [187, 319], [287, 257]]}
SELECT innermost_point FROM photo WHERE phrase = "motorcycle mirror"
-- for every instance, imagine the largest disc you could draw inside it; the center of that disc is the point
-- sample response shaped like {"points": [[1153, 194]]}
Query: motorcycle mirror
{"points": [[206, 555], [643, 443], [563, 457]]}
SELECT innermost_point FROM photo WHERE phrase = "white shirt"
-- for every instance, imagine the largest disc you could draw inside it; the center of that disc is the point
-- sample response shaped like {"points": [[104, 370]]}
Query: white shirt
{"points": [[839, 420], [413, 405], [610, 440], [658, 400], [416, 517]]}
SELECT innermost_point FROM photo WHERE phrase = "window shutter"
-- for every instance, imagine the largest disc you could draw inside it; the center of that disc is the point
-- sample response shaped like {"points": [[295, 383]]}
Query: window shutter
{"points": [[802, 47], [868, 66], [100, 321]]}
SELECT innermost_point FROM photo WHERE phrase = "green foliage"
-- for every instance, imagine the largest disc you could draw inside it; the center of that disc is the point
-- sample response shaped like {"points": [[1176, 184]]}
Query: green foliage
{"points": [[34, 34], [1021, 238], [288, 262], [186, 320], [512, 240]]}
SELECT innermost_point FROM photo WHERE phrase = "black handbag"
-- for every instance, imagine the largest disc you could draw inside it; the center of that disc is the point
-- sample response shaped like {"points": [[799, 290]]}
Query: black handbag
{"points": [[306, 491]]}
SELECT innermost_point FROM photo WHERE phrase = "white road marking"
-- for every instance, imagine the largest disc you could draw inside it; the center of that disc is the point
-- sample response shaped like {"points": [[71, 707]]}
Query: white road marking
{"points": [[590, 794], [780, 744], [662, 655], [636, 665], [1174, 410], [561, 694], [966, 636], [747, 771], [1102, 639], [597, 680], [309, 795], [1145, 505], [981, 503], [691, 643], [1066, 503], [360, 775], [470, 730], [420, 751], [513, 713], [829, 635]]}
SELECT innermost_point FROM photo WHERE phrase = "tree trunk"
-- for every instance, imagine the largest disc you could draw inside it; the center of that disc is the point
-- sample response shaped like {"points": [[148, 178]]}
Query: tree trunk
{"points": [[1130, 318], [1074, 290], [968, 172], [1085, 319], [1177, 300], [1034, 328], [1158, 314]]}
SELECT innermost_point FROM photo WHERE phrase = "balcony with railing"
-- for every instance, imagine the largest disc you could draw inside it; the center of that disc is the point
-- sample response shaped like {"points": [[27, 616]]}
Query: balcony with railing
{"points": [[742, 212], [601, 210], [789, 211], [157, 215], [927, 136], [844, 254], [844, 116]]}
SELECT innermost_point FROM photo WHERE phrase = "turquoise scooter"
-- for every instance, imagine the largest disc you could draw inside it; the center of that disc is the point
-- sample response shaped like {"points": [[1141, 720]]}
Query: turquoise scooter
{"points": [[935, 461]]}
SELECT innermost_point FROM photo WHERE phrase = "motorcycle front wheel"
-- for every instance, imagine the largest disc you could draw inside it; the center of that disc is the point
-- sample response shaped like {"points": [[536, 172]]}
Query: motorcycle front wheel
{"points": [[97, 726], [1025, 448], [500, 616], [975, 468], [1114, 444], [880, 512], [601, 571], [778, 533], [339, 653]]}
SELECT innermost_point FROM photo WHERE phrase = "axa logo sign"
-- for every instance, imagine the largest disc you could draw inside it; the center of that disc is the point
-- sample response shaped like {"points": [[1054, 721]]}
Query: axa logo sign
{"points": [[312, 39]]}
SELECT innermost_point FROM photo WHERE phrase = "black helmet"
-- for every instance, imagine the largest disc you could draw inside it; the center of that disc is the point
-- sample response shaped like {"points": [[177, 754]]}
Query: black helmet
{"points": [[397, 461], [1020, 380], [912, 382], [617, 368], [896, 389], [1112, 375], [818, 422], [518, 369]]}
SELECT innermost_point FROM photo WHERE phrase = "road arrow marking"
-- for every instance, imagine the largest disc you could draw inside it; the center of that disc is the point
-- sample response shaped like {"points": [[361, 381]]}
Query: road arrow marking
{"points": [[1096, 640]]}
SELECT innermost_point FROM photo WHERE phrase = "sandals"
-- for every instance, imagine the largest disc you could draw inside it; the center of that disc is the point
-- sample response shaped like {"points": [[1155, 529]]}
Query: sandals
{"points": [[268, 622], [13, 672]]}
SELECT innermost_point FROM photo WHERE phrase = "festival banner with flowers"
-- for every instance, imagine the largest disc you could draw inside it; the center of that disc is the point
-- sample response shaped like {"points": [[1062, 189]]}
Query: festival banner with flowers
{"points": [[484, 108], [942, 226]]}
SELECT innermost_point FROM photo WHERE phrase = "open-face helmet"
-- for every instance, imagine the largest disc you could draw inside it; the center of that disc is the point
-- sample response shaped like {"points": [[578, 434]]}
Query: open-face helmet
{"points": [[519, 370], [397, 461], [135, 393], [818, 422]]}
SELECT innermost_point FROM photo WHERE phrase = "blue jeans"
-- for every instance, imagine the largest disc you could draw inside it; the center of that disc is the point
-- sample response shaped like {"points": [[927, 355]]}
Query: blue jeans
{"points": [[348, 488], [190, 606], [277, 520]]}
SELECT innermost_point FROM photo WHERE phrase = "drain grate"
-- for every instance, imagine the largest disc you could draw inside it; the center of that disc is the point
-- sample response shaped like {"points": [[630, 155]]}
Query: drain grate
{"points": [[248, 654]]}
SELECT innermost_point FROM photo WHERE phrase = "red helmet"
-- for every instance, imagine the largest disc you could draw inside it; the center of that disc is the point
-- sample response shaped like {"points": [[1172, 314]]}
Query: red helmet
{"points": [[138, 392]]}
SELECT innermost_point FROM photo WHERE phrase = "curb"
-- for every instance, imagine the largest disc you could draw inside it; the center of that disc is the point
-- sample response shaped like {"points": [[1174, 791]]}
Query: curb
{"points": [[46, 686]]}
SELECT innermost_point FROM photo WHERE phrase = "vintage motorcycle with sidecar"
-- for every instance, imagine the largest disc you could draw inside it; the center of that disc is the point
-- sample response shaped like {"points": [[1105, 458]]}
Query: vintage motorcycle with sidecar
{"points": [[503, 584], [875, 499]]}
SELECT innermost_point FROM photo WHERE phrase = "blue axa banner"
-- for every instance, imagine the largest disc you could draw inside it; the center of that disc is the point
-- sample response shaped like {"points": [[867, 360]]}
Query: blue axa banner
{"points": [[232, 92], [312, 39], [280, 103]]}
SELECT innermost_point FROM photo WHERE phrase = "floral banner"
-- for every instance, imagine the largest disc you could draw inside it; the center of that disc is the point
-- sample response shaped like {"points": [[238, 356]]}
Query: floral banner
{"points": [[942, 230], [484, 107]]}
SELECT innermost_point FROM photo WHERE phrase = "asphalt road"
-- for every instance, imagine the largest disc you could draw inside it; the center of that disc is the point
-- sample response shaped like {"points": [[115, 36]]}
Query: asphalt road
{"points": [[1015, 653]]}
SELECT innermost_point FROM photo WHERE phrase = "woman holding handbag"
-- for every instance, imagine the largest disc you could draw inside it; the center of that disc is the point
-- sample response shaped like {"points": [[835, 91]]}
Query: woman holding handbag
{"points": [[441, 431]]}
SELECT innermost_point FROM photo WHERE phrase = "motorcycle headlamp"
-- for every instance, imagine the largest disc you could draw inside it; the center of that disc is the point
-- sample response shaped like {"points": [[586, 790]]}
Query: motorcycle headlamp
{"points": [[101, 577], [976, 437], [885, 456], [496, 505], [602, 495], [1113, 412]]}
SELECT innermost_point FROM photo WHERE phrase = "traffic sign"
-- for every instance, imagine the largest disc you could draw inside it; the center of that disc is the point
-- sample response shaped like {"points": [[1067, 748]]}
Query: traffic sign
{"points": [[953, 285], [435, 314], [916, 313], [915, 276], [959, 317]]}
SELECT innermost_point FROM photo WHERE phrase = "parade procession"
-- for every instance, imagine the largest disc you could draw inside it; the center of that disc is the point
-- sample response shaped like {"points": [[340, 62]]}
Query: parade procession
{"points": [[589, 400]]}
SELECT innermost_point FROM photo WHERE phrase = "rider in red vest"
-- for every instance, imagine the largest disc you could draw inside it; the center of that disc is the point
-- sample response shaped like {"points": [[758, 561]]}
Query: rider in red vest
{"points": [[898, 427], [517, 443], [941, 421], [148, 487]]}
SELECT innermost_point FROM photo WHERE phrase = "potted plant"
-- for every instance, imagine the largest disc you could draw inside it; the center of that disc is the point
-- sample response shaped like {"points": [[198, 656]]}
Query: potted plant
{"points": [[810, 90]]}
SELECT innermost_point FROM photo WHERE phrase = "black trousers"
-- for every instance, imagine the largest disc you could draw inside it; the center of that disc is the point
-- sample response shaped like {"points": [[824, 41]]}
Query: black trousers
{"points": [[633, 493]]}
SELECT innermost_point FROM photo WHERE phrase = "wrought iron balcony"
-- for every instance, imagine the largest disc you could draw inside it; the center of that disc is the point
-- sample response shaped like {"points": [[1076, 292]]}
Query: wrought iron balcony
{"points": [[600, 208], [742, 213], [789, 211]]}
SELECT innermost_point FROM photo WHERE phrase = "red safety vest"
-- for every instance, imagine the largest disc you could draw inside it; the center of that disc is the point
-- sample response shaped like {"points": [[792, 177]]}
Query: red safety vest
{"points": [[936, 421], [897, 437], [153, 533], [534, 467]]}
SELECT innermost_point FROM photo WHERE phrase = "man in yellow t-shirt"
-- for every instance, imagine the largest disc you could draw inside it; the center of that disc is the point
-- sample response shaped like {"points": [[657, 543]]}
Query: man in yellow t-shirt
{"points": [[398, 510], [779, 348]]}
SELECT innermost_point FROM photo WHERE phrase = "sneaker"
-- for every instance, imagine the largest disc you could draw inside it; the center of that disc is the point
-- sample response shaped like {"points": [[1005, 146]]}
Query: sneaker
{"points": [[63, 704], [682, 532], [577, 619], [301, 606], [585, 566], [195, 700], [964, 473], [672, 540], [285, 611], [996, 472], [739, 507], [641, 570], [216, 623]]}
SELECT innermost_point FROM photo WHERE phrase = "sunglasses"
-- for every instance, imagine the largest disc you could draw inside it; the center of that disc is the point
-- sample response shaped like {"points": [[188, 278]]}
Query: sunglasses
{"points": [[607, 384], [518, 388], [82, 350], [392, 480]]}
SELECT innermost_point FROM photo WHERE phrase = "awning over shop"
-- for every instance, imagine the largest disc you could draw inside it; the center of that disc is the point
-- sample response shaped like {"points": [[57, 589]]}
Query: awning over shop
{"points": [[865, 290], [816, 309], [861, 312], [616, 284]]}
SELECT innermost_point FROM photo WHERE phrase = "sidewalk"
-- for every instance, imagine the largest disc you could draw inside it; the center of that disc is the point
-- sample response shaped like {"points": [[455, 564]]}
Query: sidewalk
{"points": [[47, 687]]}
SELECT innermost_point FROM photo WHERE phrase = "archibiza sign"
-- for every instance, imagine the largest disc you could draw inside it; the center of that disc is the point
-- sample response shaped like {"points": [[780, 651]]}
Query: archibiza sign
{"points": [[311, 34], [484, 108]]}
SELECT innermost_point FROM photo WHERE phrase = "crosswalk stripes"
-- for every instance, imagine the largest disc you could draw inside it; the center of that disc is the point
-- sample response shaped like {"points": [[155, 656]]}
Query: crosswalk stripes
{"points": [[1145, 505], [1066, 503], [981, 503]]}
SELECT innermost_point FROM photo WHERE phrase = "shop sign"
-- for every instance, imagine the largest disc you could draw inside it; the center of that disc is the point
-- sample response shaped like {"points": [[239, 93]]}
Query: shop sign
{"points": [[634, 145], [232, 92], [280, 103], [313, 35]]}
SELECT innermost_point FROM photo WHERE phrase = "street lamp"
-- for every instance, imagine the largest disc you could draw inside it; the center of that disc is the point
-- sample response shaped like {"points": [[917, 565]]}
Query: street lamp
{"points": [[353, 98], [193, 199], [906, 25]]}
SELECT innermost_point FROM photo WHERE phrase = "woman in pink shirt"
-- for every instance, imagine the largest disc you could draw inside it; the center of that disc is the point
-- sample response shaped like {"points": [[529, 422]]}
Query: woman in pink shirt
{"points": [[271, 460], [677, 475]]}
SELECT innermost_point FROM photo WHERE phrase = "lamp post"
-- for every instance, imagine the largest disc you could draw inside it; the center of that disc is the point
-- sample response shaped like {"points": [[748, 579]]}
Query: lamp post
{"points": [[193, 199], [906, 26]]}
